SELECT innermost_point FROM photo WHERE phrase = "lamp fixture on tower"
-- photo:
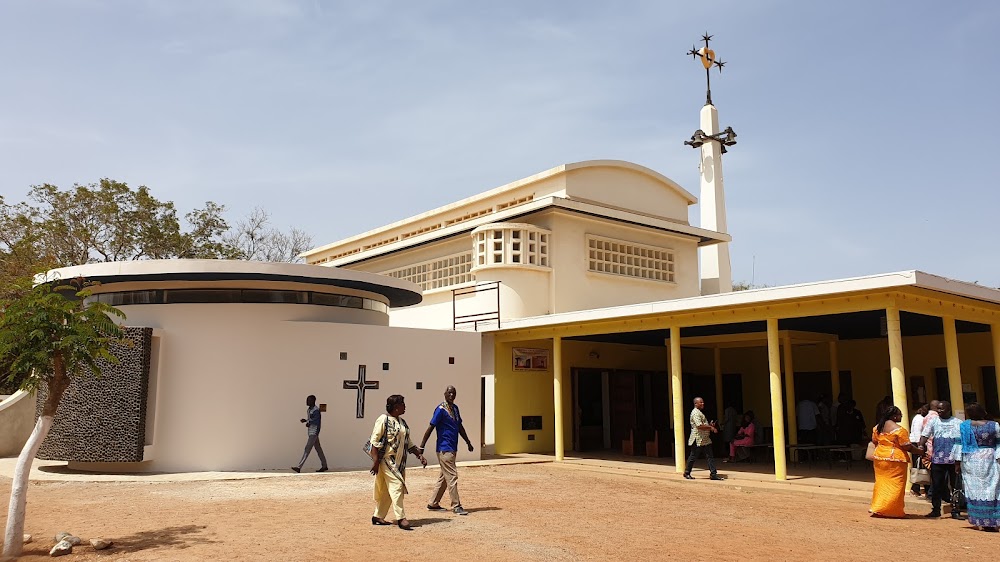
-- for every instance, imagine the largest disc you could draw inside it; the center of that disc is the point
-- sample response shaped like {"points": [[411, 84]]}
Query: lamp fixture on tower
{"points": [[725, 138]]}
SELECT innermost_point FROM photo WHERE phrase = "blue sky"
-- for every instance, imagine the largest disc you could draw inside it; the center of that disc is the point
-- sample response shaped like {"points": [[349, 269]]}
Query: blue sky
{"points": [[865, 128]]}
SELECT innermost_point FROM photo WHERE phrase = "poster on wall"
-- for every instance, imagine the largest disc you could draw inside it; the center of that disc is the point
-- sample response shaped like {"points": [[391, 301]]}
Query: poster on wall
{"points": [[530, 359]]}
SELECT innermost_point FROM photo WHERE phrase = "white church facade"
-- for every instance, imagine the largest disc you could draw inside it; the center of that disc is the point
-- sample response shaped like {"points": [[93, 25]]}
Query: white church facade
{"points": [[577, 309], [593, 272]]}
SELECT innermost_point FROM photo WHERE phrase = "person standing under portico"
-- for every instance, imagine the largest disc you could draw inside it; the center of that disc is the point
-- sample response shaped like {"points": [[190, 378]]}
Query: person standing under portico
{"points": [[701, 440], [448, 422]]}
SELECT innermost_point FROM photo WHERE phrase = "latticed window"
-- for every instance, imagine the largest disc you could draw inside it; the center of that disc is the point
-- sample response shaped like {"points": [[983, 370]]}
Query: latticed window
{"points": [[617, 257], [511, 244], [436, 274]]}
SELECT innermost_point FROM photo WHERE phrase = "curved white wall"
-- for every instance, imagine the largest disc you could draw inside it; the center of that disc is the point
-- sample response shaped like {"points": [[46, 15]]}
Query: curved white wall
{"points": [[231, 382], [17, 418]]}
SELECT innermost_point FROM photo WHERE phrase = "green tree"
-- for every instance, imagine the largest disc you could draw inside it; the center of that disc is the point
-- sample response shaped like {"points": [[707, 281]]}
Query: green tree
{"points": [[50, 333], [109, 221]]}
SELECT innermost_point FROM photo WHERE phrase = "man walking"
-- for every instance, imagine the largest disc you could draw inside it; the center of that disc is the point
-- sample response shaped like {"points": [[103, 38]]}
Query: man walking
{"points": [[313, 421], [944, 429], [701, 440], [448, 422]]}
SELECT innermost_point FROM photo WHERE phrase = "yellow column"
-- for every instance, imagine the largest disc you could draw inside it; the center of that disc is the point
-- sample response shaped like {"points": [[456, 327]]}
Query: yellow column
{"points": [[557, 402], [954, 368], [793, 424], [717, 353], [835, 371], [995, 331], [777, 422], [896, 372], [677, 391], [670, 393]]}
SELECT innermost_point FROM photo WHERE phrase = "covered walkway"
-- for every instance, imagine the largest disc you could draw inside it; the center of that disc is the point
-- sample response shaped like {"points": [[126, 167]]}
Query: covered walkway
{"points": [[844, 336]]}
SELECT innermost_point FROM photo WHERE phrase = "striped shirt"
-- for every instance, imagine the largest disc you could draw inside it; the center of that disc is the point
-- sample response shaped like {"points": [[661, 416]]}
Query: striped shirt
{"points": [[313, 420]]}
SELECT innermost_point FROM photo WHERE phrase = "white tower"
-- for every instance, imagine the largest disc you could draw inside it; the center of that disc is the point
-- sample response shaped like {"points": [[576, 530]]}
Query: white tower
{"points": [[716, 271]]}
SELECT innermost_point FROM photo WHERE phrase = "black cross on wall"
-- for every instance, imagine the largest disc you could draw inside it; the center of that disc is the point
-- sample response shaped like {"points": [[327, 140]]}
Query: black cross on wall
{"points": [[361, 385]]}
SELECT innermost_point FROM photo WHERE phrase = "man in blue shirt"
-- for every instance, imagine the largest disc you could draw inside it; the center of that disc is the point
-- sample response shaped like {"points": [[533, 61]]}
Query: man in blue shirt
{"points": [[313, 422], [448, 422]]}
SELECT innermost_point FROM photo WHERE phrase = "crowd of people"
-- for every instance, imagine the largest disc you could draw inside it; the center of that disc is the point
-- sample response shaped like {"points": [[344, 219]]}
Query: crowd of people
{"points": [[962, 457]]}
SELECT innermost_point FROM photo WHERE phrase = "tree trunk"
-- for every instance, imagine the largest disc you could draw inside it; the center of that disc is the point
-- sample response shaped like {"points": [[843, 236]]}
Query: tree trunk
{"points": [[13, 538]]}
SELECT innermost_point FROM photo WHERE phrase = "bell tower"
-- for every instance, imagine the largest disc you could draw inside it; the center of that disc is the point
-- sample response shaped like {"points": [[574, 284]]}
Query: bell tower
{"points": [[716, 270]]}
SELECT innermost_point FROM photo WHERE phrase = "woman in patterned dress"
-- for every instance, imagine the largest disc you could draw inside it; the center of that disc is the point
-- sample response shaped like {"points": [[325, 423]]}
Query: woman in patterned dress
{"points": [[980, 472], [391, 438]]}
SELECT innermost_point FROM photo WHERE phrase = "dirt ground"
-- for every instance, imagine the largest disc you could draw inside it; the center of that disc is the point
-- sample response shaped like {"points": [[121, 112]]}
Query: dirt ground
{"points": [[518, 512]]}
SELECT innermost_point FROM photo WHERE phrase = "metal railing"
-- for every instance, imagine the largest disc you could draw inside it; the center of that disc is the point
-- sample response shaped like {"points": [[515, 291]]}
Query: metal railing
{"points": [[479, 317]]}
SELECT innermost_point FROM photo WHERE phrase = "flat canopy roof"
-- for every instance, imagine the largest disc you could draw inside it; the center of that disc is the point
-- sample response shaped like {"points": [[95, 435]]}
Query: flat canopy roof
{"points": [[399, 292], [759, 298]]}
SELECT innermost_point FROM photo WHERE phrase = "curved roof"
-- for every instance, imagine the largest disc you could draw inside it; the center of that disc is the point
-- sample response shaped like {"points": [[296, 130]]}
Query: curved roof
{"points": [[561, 169], [399, 292], [687, 195]]}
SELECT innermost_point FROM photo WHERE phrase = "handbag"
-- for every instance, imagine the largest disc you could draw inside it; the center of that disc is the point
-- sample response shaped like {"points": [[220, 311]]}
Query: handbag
{"points": [[870, 452], [373, 453], [920, 475]]}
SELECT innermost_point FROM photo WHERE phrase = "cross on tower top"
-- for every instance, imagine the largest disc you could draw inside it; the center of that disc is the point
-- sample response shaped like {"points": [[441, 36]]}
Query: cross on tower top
{"points": [[708, 60]]}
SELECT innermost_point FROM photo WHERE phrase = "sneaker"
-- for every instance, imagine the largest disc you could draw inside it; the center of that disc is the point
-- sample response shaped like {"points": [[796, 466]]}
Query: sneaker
{"points": [[715, 477], [434, 507], [933, 514], [460, 511], [323, 469], [957, 516], [688, 476]]}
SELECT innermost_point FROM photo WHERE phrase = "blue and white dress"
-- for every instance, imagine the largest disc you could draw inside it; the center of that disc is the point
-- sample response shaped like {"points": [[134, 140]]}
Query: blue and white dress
{"points": [[980, 472]]}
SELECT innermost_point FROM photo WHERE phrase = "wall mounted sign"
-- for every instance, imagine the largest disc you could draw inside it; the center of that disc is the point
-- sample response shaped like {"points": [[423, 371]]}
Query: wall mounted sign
{"points": [[530, 359]]}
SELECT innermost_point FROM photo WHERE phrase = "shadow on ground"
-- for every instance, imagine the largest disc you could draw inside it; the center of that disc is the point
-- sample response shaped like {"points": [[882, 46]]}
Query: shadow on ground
{"points": [[428, 521], [181, 536]]}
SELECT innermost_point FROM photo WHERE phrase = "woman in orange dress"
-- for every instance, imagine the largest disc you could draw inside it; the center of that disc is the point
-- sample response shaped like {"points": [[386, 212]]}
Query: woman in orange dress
{"points": [[892, 456]]}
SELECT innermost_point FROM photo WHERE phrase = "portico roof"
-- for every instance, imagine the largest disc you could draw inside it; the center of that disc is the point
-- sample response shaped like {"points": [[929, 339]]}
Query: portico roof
{"points": [[915, 289]]}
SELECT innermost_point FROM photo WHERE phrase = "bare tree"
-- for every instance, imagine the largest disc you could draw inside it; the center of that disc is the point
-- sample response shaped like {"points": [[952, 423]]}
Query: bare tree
{"points": [[253, 238]]}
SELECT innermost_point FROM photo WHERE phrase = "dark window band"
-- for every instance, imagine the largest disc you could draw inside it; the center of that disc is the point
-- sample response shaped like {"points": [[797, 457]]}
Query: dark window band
{"points": [[215, 296]]}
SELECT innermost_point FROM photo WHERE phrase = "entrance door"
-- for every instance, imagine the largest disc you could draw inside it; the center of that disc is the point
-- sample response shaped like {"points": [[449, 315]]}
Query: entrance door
{"points": [[589, 409], [623, 406]]}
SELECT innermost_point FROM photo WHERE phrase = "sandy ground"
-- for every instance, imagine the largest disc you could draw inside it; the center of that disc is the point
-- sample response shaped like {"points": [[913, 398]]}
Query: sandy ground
{"points": [[518, 512]]}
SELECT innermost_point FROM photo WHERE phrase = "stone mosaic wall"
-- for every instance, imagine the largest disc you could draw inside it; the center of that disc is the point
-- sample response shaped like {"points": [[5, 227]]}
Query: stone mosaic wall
{"points": [[104, 419]]}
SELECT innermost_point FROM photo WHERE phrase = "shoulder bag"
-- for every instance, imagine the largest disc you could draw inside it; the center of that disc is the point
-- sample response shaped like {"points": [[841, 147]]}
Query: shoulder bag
{"points": [[373, 453]]}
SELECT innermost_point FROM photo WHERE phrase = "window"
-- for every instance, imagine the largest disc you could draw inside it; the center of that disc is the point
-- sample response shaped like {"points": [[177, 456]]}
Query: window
{"points": [[617, 257], [511, 244], [436, 274], [216, 296]]}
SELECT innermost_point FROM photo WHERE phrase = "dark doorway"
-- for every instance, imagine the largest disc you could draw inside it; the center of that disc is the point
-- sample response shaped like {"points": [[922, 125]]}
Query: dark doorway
{"points": [[589, 409], [846, 385], [812, 384], [623, 406], [732, 391], [990, 391], [699, 386], [943, 386]]}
